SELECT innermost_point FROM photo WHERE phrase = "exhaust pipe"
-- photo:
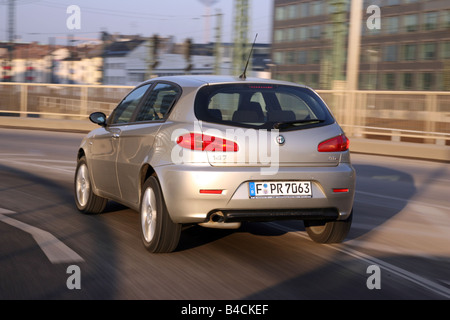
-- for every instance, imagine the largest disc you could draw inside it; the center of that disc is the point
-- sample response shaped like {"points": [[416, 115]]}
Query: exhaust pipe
{"points": [[217, 217], [217, 221]]}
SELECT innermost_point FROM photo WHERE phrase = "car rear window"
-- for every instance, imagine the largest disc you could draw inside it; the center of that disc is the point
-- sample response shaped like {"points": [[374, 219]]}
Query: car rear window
{"points": [[262, 106]]}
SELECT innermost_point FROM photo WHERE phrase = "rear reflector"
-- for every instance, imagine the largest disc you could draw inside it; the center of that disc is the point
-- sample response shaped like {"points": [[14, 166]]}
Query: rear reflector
{"points": [[203, 142], [340, 190], [211, 191], [336, 144]]}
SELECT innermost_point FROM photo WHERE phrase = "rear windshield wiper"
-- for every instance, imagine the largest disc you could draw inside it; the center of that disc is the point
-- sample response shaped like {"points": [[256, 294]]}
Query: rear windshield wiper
{"points": [[288, 124]]}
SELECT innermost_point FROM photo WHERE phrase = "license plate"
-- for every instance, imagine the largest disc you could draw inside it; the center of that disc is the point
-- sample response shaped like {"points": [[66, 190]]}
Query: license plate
{"points": [[280, 189]]}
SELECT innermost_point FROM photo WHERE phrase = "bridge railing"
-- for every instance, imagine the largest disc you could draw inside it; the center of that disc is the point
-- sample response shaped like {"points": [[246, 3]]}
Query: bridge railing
{"points": [[418, 117], [399, 116], [57, 101]]}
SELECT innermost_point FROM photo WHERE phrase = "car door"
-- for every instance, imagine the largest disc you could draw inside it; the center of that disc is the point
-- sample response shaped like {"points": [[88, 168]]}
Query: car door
{"points": [[105, 145], [136, 142]]}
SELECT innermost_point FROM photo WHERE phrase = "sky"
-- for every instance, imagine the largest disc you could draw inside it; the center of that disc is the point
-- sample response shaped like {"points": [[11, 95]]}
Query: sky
{"points": [[39, 20]]}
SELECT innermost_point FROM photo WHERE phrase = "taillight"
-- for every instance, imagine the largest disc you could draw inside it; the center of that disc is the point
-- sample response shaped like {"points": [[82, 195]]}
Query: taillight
{"points": [[203, 142], [336, 144]]}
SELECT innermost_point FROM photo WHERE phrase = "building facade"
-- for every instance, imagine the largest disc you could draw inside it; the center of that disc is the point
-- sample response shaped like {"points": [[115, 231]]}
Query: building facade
{"points": [[407, 48], [119, 60], [130, 64]]}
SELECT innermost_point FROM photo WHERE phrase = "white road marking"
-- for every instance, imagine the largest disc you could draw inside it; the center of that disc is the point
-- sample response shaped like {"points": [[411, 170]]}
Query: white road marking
{"points": [[423, 282], [445, 281], [402, 230], [390, 249], [55, 250]]}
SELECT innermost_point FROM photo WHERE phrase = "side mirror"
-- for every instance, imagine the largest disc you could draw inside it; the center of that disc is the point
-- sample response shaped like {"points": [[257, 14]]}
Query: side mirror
{"points": [[98, 118]]}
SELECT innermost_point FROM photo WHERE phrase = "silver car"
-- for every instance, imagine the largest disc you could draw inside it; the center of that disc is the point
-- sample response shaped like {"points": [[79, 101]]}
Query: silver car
{"points": [[218, 151]]}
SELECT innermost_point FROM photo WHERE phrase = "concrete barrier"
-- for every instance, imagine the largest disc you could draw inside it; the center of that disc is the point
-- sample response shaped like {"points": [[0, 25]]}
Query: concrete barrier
{"points": [[357, 145], [47, 124], [401, 149]]}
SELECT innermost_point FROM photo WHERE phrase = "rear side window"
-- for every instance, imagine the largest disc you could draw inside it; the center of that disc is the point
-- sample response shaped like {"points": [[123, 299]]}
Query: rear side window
{"points": [[261, 106], [158, 102]]}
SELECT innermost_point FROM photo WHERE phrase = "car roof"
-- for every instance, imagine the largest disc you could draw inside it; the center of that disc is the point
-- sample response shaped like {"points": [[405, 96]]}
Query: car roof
{"points": [[201, 80]]}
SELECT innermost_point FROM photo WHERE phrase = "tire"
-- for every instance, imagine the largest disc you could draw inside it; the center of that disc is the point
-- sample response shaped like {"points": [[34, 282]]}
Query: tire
{"points": [[159, 233], [328, 232], [85, 199]]}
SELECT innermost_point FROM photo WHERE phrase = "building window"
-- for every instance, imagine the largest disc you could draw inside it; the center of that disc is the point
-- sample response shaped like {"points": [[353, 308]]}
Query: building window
{"points": [[304, 9], [314, 56], [278, 57], [389, 81], [278, 36], [327, 31], [314, 80], [280, 13], [316, 8], [411, 23], [329, 9], [430, 20], [392, 24], [392, 2], [409, 52], [290, 34], [445, 50], [372, 81], [362, 83], [427, 81], [390, 53], [445, 19], [408, 81], [315, 31], [429, 51], [290, 57], [136, 77], [117, 66], [292, 11], [303, 33], [302, 57]]}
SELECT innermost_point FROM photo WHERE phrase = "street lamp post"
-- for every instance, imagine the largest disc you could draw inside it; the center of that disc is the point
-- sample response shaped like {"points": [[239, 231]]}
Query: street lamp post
{"points": [[354, 44]]}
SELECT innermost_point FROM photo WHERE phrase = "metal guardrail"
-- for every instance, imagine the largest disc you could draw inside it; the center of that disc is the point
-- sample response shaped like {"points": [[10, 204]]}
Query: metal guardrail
{"points": [[398, 116]]}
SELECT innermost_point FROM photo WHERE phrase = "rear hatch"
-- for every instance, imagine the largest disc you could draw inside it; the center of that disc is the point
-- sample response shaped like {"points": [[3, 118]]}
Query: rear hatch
{"points": [[269, 125]]}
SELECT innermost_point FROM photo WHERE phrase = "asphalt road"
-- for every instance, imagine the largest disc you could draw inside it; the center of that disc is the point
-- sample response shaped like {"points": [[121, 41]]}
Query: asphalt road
{"points": [[401, 225]]}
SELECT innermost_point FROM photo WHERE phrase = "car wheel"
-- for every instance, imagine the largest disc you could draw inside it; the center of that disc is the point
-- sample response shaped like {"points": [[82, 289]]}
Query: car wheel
{"points": [[328, 232], [159, 233], [85, 199]]}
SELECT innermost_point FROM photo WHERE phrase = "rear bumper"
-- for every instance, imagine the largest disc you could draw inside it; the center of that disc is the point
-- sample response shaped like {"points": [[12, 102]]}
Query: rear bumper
{"points": [[181, 185], [266, 215]]}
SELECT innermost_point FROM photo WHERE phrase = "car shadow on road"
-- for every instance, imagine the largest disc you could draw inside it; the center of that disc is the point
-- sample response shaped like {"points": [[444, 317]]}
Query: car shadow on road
{"points": [[196, 236], [342, 277], [381, 193], [114, 207], [48, 204]]}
